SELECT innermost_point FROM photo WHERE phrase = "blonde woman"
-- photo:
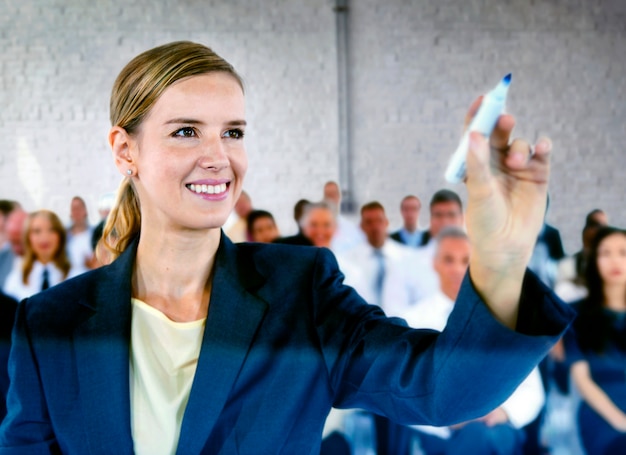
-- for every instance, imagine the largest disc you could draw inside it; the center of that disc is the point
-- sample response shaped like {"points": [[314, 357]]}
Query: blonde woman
{"points": [[45, 261], [188, 343]]}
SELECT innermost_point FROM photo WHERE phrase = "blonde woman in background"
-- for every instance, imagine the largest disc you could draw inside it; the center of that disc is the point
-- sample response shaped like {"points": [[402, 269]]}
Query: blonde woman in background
{"points": [[45, 262]]}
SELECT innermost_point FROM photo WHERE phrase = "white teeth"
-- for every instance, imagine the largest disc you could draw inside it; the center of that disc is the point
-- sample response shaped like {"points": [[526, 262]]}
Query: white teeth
{"points": [[207, 189]]}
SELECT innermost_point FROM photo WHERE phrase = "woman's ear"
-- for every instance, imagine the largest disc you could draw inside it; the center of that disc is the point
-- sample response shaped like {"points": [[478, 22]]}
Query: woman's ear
{"points": [[121, 146]]}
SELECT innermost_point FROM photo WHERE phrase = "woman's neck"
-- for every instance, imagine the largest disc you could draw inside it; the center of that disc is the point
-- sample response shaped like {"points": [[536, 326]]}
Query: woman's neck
{"points": [[173, 270], [615, 297]]}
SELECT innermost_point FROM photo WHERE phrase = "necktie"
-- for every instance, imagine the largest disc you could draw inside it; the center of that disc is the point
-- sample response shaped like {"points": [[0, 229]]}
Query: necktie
{"points": [[45, 283], [379, 279]]}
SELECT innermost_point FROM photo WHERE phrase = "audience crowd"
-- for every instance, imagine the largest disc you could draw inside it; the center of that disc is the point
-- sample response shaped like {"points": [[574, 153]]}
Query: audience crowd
{"points": [[413, 273]]}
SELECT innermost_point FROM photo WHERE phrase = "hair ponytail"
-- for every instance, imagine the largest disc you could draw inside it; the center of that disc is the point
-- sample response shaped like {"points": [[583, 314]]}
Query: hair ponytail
{"points": [[122, 225]]}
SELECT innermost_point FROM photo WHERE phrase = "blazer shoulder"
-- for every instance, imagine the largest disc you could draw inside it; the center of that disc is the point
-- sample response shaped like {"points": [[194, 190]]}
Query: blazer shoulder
{"points": [[61, 304], [396, 236]]}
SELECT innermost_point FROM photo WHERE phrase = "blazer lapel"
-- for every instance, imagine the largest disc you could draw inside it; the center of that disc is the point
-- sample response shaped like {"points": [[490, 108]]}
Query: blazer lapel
{"points": [[101, 345], [234, 317]]}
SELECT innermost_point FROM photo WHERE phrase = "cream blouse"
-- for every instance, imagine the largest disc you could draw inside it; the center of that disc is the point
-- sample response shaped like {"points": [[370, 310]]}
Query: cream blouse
{"points": [[163, 359]]}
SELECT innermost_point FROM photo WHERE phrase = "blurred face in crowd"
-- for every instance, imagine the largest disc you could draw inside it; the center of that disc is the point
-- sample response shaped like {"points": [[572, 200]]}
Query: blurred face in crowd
{"points": [[78, 211], [612, 259], [410, 211], [14, 228], [332, 193], [445, 214], [450, 262], [319, 226], [187, 157], [264, 230], [374, 224], [43, 238]]}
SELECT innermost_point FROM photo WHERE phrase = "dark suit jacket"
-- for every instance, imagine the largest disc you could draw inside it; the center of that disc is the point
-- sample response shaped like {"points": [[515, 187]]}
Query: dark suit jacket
{"points": [[398, 238], [8, 307], [284, 341]]}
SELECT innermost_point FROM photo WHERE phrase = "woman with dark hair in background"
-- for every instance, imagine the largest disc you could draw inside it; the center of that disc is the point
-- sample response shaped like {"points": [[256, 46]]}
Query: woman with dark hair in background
{"points": [[596, 346]]}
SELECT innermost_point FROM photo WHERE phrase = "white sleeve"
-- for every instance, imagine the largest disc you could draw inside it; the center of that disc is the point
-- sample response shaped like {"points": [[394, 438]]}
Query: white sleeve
{"points": [[524, 405]]}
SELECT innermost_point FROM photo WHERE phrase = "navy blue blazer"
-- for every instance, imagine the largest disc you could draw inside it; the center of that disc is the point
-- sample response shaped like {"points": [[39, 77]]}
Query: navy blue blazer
{"points": [[284, 341]]}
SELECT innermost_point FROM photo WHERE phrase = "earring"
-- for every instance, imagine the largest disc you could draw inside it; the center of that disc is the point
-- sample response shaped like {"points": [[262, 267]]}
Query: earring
{"points": [[129, 171]]}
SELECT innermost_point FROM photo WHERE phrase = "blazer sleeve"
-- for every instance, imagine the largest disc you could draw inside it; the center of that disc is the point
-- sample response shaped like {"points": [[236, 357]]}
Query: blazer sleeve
{"points": [[418, 376], [26, 429]]}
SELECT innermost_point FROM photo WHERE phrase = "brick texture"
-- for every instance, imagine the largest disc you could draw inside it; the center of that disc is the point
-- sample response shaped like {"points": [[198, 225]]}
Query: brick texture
{"points": [[415, 66]]}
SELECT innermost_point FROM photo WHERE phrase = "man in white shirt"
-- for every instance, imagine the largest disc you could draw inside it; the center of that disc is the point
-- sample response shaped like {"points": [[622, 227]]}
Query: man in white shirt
{"points": [[381, 270], [500, 431], [409, 234], [446, 209]]}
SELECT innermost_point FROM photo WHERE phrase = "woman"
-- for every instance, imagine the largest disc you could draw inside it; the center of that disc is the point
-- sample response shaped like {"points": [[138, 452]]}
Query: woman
{"points": [[191, 344], [45, 262], [596, 348]]}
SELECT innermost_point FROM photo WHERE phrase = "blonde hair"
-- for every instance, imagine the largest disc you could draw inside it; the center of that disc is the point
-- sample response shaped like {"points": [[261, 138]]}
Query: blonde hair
{"points": [[139, 85], [59, 259]]}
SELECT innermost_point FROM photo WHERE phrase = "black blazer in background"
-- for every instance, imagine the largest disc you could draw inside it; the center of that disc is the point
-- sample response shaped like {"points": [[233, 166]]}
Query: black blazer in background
{"points": [[8, 306]]}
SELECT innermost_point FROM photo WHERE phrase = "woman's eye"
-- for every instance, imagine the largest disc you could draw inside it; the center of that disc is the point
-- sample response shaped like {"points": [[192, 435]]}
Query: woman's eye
{"points": [[185, 132], [234, 134]]}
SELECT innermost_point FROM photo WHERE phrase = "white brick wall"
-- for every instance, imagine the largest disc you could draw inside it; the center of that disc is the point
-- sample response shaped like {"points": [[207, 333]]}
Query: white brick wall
{"points": [[415, 67]]}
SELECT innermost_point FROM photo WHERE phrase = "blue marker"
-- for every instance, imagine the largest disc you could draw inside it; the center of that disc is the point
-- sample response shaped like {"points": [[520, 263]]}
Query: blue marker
{"points": [[484, 121]]}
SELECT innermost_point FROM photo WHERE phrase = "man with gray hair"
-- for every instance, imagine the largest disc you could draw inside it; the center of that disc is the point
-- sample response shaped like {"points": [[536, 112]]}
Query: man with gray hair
{"points": [[501, 430]]}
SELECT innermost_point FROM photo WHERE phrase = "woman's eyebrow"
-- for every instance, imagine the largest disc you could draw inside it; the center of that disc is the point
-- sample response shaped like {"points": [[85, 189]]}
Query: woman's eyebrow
{"points": [[191, 121]]}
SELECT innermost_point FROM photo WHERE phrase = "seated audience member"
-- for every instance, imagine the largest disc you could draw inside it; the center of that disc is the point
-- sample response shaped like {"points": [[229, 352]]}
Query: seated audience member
{"points": [[14, 229], [446, 209], [502, 430], [381, 270], [237, 230], [45, 262], [571, 284], [409, 234], [319, 224], [261, 226], [6, 253], [8, 306], [299, 238], [595, 346], [79, 233], [347, 234]]}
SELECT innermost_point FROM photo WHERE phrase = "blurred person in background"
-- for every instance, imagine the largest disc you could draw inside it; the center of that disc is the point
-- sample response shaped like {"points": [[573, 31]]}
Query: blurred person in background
{"points": [[6, 253], [319, 224], [409, 234], [299, 238], [381, 270], [446, 210], [14, 230], [45, 262], [347, 234], [501, 431], [262, 226], [595, 346], [571, 282], [79, 233]]}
